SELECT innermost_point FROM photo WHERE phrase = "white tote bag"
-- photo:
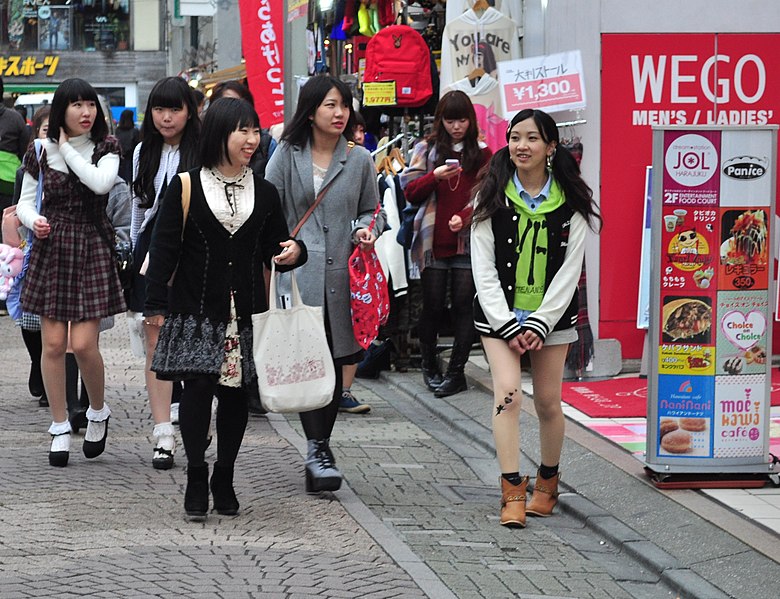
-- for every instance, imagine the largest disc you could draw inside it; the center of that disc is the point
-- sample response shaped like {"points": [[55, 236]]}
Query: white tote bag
{"points": [[295, 369]]}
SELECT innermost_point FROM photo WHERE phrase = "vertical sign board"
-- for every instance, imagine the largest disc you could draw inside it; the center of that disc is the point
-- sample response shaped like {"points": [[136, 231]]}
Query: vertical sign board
{"points": [[711, 291]]}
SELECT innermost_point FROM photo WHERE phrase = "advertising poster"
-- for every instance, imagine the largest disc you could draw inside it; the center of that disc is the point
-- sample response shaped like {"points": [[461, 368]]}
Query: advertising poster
{"points": [[708, 399], [686, 80]]}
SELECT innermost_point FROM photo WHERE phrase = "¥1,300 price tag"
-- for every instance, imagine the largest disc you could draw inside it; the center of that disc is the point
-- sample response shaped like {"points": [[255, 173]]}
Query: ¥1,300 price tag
{"points": [[543, 93], [379, 93]]}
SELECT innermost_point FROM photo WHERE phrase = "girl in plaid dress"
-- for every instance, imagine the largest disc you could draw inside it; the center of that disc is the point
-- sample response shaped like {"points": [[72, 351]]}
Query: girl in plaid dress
{"points": [[72, 276]]}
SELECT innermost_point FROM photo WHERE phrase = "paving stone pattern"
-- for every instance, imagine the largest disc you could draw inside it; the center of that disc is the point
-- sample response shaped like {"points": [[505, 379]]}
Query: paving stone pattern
{"points": [[114, 526]]}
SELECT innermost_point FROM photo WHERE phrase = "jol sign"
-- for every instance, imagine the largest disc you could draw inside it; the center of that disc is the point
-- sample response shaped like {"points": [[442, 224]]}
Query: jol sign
{"points": [[710, 305]]}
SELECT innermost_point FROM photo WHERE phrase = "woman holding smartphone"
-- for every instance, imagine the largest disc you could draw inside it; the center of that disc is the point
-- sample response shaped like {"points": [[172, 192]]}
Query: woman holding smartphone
{"points": [[440, 177]]}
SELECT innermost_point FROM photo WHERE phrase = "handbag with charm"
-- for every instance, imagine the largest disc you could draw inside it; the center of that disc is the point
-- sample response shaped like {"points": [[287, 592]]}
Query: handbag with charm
{"points": [[295, 371]]}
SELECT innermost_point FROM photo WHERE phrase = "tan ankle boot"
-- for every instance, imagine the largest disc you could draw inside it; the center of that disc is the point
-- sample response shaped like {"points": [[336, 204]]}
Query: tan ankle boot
{"points": [[513, 503], [545, 496]]}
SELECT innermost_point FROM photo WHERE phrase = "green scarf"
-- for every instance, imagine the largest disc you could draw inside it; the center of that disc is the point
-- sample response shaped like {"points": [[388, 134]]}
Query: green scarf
{"points": [[532, 247]]}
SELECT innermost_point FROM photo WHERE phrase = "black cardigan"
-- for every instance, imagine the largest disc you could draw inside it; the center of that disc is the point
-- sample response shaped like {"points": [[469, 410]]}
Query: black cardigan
{"points": [[208, 260]]}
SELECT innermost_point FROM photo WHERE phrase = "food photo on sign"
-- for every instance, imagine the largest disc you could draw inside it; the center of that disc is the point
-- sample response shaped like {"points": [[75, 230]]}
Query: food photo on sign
{"points": [[742, 340], [687, 320], [685, 413], [744, 249]]}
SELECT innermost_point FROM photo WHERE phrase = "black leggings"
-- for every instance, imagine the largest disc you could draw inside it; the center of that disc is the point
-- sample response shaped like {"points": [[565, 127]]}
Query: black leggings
{"points": [[462, 290], [318, 424], [195, 415]]}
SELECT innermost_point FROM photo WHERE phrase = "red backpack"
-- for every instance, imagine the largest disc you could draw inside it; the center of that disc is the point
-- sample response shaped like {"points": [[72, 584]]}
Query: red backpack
{"points": [[398, 53]]}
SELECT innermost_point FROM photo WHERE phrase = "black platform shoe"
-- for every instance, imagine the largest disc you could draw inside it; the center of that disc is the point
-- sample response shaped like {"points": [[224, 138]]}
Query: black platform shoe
{"points": [[321, 471], [225, 500], [196, 496], [93, 449], [60, 450]]}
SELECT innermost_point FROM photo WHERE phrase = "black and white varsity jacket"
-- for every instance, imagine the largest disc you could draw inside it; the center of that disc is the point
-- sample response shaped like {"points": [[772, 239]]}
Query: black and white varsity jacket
{"points": [[494, 255]]}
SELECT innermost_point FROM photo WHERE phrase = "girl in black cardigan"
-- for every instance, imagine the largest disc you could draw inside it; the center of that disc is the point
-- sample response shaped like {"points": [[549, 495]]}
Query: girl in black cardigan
{"points": [[234, 225]]}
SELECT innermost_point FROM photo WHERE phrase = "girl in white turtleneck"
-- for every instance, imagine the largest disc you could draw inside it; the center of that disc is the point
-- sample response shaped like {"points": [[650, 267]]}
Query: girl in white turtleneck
{"points": [[72, 276], [170, 135]]}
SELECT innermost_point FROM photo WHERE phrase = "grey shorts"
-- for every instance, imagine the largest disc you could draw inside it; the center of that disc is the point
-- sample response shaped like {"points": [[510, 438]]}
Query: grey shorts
{"points": [[555, 337]]}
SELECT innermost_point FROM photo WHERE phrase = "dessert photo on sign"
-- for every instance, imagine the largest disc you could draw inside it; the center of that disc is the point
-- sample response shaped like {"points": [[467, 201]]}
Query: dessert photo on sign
{"points": [[686, 320], [745, 237], [742, 336]]}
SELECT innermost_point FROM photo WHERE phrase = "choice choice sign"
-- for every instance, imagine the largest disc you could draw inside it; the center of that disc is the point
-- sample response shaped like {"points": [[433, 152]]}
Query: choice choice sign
{"points": [[666, 79]]}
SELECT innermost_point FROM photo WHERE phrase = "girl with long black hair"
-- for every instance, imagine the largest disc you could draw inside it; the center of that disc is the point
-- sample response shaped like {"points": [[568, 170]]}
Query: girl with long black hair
{"points": [[170, 134], [531, 216]]}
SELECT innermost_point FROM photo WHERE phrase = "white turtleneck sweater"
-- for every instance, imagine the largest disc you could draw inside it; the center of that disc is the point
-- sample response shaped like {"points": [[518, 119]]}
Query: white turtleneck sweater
{"points": [[76, 154]]}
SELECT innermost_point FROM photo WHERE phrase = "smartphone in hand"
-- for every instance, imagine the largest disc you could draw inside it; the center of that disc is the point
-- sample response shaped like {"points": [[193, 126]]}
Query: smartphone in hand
{"points": [[452, 162]]}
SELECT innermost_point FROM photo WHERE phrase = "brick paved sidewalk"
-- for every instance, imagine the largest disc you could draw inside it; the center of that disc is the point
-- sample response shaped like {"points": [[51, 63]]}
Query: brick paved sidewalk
{"points": [[114, 526]]}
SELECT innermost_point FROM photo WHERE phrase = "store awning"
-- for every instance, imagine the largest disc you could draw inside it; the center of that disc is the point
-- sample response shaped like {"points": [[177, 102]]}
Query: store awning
{"points": [[211, 79], [30, 88]]}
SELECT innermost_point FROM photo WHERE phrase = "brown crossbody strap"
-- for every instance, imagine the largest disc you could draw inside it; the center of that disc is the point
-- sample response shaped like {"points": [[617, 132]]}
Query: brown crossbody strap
{"points": [[317, 200]]}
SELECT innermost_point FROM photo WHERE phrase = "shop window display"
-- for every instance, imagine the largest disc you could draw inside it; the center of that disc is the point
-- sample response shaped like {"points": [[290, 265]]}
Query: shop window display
{"points": [[88, 25]]}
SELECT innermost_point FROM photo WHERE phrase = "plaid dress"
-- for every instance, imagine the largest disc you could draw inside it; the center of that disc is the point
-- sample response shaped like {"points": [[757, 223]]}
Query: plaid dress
{"points": [[72, 274]]}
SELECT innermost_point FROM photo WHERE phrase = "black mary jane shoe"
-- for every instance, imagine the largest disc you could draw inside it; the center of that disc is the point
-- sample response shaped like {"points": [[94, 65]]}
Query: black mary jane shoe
{"points": [[93, 449], [58, 459]]}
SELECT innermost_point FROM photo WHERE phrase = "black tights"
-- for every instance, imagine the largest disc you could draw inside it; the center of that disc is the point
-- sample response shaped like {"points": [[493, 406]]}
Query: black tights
{"points": [[318, 424], [462, 290], [195, 415]]}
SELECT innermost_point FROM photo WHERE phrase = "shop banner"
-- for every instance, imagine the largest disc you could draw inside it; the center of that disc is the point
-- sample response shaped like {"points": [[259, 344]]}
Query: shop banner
{"points": [[296, 9], [669, 79], [710, 314], [262, 35], [550, 83]]}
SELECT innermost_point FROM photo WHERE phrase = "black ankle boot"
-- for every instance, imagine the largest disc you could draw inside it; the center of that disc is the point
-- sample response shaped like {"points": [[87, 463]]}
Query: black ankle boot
{"points": [[196, 497], [455, 381], [225, 500], [321, 471], [430, 366]]}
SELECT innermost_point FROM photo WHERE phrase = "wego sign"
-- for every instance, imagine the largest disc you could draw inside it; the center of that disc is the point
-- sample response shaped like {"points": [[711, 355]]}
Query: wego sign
{"points": [[672, 79]]}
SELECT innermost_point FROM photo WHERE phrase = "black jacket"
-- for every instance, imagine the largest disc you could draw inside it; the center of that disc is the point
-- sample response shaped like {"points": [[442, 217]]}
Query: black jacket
{"points": [[208, 260]]}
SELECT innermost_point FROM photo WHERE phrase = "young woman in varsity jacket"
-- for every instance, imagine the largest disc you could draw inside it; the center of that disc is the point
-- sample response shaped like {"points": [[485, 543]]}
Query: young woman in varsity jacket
{"points": [[530, 219]]}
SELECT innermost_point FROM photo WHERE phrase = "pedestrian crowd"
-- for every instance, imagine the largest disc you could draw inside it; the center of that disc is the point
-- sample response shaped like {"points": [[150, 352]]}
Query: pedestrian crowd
{"points": [[210, 201]]}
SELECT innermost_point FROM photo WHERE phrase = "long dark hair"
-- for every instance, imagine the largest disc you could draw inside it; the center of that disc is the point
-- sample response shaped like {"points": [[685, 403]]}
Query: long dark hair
{"points": [[455, 105], [170, 92], [69, 91], [500, 170], [298, 131]]}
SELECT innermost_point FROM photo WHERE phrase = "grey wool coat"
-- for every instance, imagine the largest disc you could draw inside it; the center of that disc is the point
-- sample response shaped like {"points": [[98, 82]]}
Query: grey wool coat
{"points": [[348, 205]]}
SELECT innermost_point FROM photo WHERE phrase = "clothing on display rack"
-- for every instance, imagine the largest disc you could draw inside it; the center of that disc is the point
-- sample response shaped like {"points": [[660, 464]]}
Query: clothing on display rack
{"points": [[511, 8], [485, 95], [473, 40]]}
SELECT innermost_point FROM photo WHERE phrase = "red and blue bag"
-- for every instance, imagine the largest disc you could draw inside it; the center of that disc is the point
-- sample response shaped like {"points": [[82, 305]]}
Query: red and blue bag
{"points": [[369, 295]]}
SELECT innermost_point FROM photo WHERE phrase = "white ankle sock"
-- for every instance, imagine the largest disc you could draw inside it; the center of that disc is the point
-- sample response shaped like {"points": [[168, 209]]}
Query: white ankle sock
{"points": [[60, 432], [57, 428], [164, 436], [98, 415]]}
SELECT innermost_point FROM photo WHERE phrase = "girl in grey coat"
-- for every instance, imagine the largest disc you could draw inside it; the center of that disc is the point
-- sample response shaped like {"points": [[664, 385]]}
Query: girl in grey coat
{"points": [[315, 157]]}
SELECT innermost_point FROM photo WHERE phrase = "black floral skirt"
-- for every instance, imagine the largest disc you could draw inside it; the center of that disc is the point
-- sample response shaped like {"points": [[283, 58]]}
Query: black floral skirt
{"points": [[191, 346]]}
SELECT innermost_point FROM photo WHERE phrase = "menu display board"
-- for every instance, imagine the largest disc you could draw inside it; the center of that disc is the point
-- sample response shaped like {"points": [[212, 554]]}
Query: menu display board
{"points": [[710, 309]]}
